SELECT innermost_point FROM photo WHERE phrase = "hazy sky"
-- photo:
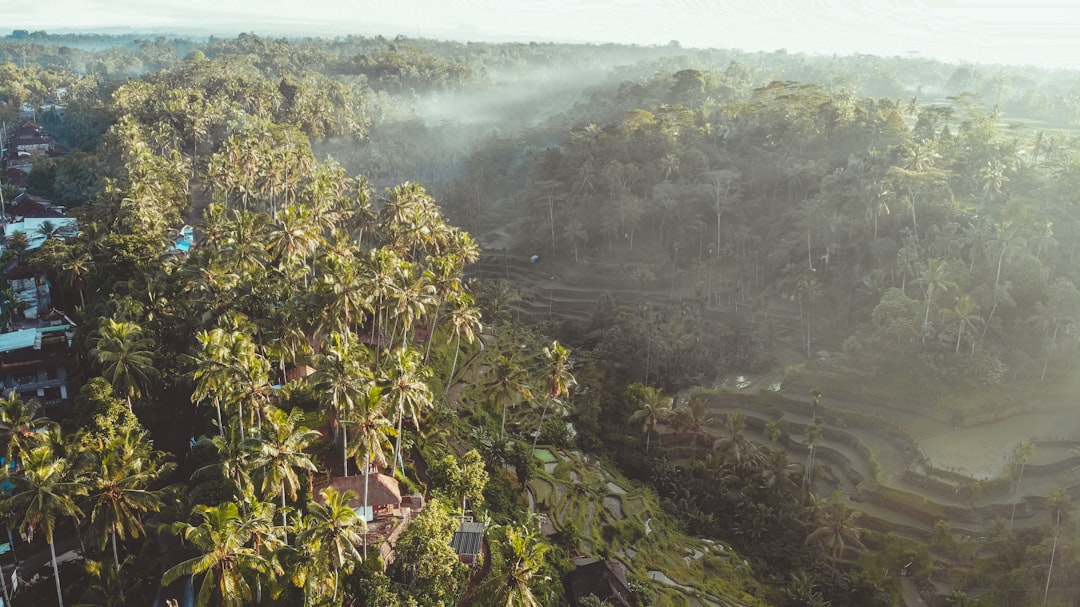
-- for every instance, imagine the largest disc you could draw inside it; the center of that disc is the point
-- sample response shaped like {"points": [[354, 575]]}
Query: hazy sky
{"points": [[1039, 32]]}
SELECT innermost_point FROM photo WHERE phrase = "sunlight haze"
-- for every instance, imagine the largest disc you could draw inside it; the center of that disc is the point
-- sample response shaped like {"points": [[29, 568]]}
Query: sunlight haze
{"points": [[1046, 34]]}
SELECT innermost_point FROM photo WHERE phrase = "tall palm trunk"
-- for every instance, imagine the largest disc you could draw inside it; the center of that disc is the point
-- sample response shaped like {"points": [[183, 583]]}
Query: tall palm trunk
{"points": [[115, 554], [365, 471], [538, 429], [56, 574], [502, 426], [344, 450], [220, 424], [431, 336], [1046, 361], [453, 366], [926, 318], [1053, 552], [284, 516], [397, 443], [997, 280]]}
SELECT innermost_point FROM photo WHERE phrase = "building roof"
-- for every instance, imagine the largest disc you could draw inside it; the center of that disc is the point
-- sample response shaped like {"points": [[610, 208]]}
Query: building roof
{"points": [[382, 491], [606, 580], [32, 226], [18, 340], [467, 538], [27, 205]]}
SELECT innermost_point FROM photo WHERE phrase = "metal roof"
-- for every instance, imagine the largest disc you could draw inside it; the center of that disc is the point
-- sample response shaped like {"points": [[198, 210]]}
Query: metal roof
{"points": [[17, 340], [467, 538]]}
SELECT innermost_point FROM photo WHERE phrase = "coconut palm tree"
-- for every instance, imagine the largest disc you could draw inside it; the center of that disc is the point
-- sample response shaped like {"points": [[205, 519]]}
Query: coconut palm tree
{"points": [[655, 409], [125, 356], [934, 277], [464, 322], [444, 276], [965, 315], [335, 530], [228, 563], [43, 493], [837, 527], [1005, 242], [1050, 319], [406, 390], [558, 377], [342, 376], [1059, 506], [507, 585], [282, 442], [372, 429], [695, 420], [733, 443], [20, 428], [120, 471], [76, 267], [411, 301], [509, 385], [234, 456], [1021, 454]]}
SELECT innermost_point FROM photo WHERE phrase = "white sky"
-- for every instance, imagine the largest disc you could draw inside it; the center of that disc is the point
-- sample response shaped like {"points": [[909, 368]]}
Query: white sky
{"points": [[1038, 32]]}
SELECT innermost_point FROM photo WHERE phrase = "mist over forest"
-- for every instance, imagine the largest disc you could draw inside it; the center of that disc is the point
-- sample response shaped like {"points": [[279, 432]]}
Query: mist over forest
{"points": [[371, 321]]}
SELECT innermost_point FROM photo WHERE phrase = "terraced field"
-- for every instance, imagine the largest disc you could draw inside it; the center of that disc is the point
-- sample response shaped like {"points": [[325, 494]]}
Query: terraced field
{"points": [[618, 520], [889, 477]]}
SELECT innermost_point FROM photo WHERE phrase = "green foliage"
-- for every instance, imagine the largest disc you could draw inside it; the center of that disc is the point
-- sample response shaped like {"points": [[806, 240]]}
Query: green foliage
{"points": [[369, 586], [460, 479], [425, 565]]}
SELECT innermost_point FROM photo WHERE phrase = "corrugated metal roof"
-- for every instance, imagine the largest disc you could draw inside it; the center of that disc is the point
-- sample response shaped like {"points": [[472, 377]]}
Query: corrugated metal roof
{"points": [[467, 538], [17, 340]]}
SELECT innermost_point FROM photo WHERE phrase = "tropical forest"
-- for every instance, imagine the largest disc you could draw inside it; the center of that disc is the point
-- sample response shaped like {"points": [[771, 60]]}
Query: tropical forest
{"points": [[368, 321]]}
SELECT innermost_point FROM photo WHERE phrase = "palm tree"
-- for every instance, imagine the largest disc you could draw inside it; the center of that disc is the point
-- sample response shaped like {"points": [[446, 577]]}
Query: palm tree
{"points": [[334, 530], [559, 379], [695, 420], [737, 449], [281, 453], [837, 527], [965, 314], [464, 322], [234, 456], [342, 376], [813, 433], [120, 472], [43, 493], [1059, 505], [373, 430], [444, 276], [406, 390], [1021, 454], [125, 356], [510, 384], [48, 230], [655, 409], [507, 585], [934, 276], [228, 563], [1047, 317], [1005, 243], [412, 298], [772, 431], [20, 430], [77, 267]]}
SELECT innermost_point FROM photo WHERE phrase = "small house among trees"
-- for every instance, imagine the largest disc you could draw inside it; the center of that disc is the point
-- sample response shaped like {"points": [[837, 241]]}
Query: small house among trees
{"points": [[383, 494], [468, 540]]}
